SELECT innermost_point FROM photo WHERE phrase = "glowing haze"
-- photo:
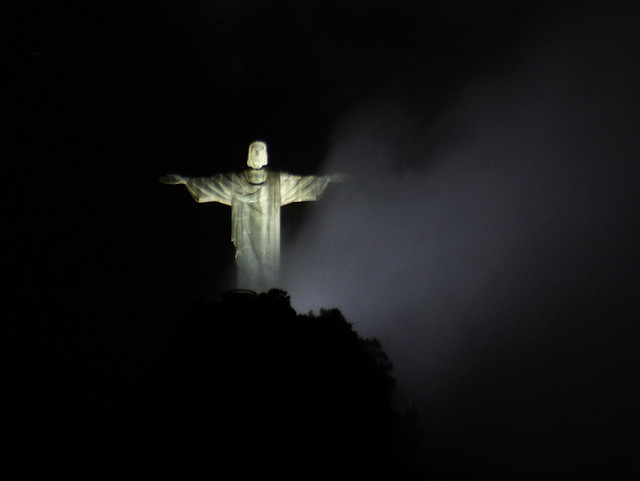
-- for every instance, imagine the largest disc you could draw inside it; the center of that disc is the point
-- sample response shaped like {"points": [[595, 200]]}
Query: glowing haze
{"points": [[491, 246], [455, 221]]}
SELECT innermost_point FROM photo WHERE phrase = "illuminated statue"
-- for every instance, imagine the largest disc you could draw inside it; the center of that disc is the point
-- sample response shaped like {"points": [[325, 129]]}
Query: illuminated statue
{"points": [[255, 196]]}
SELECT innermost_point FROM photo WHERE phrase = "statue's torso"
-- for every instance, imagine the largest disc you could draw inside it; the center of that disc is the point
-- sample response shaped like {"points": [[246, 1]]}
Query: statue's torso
{"points": [[256, 177], [256, 228]]}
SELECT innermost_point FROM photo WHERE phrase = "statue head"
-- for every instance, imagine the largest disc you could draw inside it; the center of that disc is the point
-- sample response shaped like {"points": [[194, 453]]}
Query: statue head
{"points": [[257, 155]]}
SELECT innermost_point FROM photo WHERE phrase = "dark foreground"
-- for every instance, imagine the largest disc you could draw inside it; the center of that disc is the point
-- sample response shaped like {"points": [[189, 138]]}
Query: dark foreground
{"points": [[249, 387]]}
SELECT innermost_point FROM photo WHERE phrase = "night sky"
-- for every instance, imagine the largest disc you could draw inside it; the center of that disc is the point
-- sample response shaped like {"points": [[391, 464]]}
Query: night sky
{"points": [[488, 235]]}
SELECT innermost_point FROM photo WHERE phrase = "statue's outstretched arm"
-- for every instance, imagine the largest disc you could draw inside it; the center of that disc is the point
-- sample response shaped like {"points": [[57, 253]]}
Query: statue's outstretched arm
{"points": [[172, 179], [217, 188]]}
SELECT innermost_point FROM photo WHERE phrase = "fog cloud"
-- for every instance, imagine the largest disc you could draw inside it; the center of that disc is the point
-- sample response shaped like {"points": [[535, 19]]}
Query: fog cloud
{"points": [[517, 193]]}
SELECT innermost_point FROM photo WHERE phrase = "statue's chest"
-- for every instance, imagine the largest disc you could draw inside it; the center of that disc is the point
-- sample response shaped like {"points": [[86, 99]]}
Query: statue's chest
{"points": [[260, 190]]}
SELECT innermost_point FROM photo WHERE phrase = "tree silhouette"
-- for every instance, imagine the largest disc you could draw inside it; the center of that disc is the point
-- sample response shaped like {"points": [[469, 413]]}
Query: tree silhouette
{"points": [[250, 386]]}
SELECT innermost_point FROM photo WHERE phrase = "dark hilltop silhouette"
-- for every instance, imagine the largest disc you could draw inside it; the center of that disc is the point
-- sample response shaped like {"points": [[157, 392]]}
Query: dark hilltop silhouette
{"points": [[248, 387]]}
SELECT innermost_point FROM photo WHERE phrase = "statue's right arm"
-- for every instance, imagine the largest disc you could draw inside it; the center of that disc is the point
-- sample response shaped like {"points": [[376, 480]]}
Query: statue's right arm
{"points": [[172, 179], [217, 188]]}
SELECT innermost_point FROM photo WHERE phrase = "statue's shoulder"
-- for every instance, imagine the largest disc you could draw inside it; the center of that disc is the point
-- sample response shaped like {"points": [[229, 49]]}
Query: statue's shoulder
{"points": [[232, 176], [285, 175]]}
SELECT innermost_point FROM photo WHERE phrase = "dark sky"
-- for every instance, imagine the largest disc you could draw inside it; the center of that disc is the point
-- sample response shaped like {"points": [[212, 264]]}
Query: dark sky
{"points": [[488, 236]]}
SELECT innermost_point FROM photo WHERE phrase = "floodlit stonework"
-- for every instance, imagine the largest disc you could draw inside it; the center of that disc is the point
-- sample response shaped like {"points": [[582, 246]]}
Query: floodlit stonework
{"points": [[255, 196]]}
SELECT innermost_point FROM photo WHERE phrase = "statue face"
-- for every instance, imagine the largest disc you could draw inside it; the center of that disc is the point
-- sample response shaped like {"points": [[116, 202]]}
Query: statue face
{"points": [[257, 155]]}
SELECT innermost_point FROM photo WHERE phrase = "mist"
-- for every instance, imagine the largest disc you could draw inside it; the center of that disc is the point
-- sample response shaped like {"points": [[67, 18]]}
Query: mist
{"points": [[488, 236], [497, 231]]}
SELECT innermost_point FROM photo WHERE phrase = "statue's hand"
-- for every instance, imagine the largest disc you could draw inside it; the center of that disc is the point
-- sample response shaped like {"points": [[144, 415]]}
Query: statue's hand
{"points": [[172, 179], [339, 178]]}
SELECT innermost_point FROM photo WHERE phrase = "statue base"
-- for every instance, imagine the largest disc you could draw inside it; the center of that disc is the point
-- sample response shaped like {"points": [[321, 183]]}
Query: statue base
{"points": [[238, 293]]}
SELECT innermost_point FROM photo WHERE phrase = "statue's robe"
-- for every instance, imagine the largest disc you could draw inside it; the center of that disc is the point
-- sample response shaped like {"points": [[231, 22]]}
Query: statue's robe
{"points": [[255, 197]]}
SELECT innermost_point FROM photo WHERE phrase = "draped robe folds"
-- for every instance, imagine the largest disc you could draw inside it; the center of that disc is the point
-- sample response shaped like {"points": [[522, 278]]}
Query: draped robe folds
{"points": [[255, 197]]}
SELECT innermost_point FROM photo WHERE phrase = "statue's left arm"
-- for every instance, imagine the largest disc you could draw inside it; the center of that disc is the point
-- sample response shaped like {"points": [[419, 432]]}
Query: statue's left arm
{"points": [[298, 188]]}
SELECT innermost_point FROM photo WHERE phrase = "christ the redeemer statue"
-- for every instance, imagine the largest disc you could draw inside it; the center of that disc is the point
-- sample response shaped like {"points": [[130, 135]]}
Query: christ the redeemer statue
{"points": [[255, 196]]}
